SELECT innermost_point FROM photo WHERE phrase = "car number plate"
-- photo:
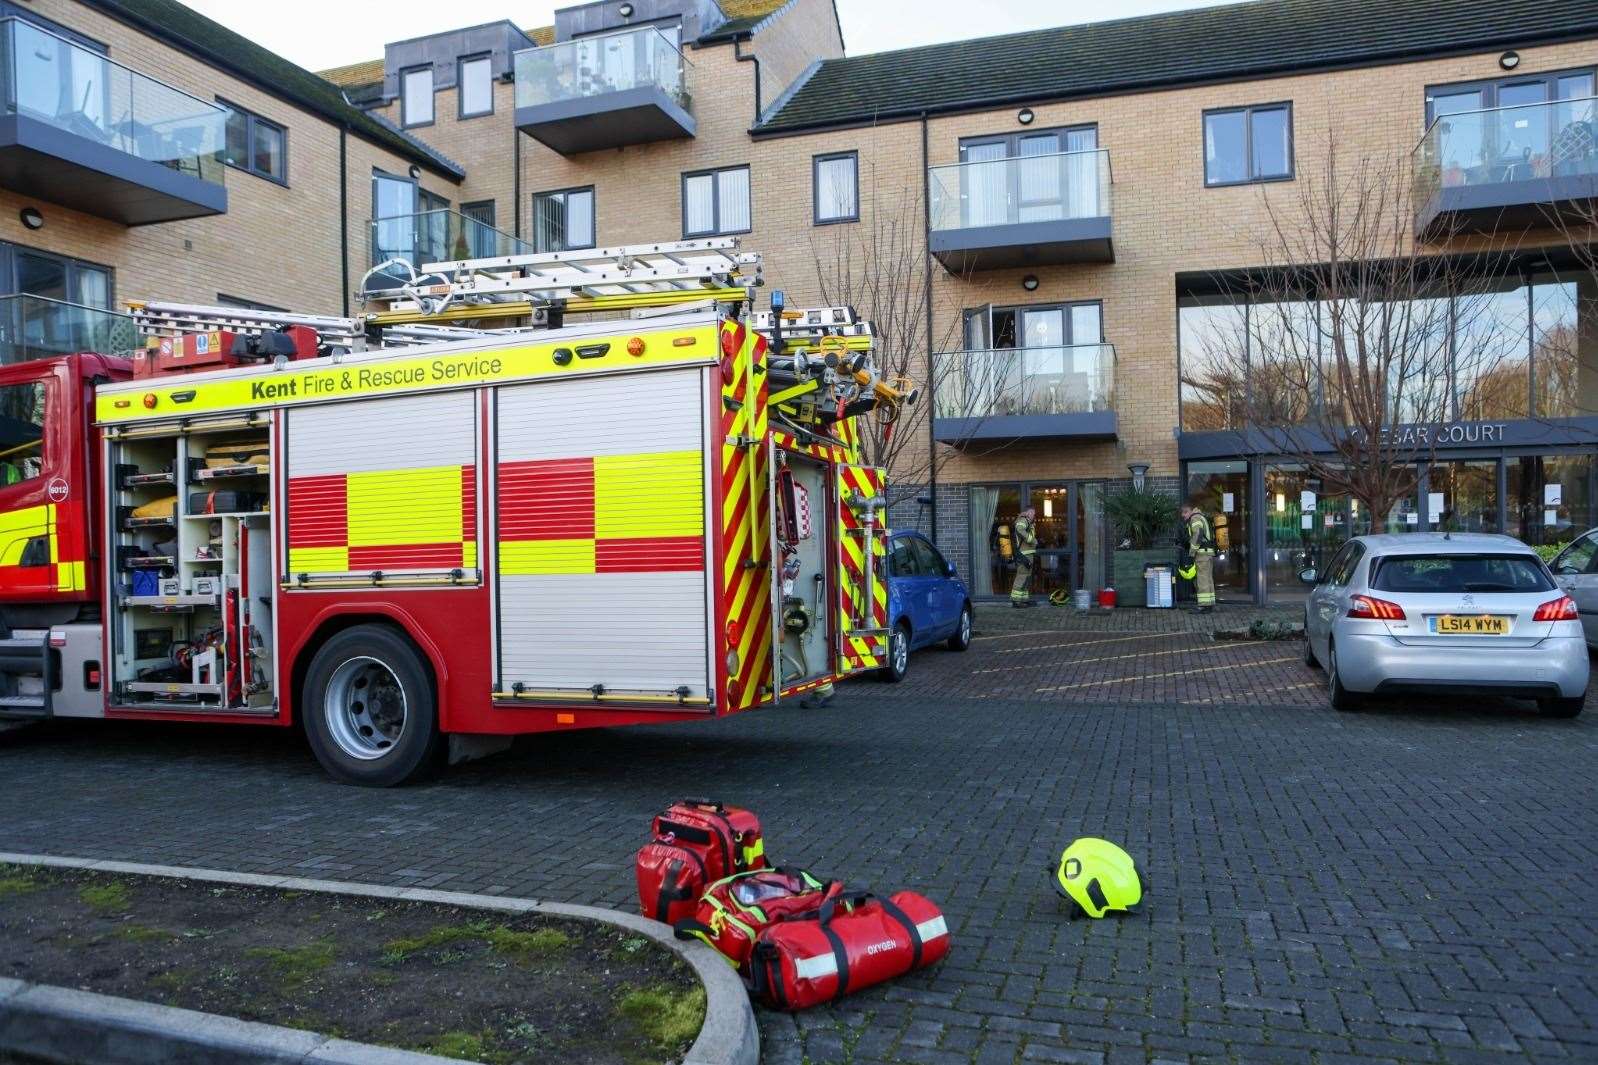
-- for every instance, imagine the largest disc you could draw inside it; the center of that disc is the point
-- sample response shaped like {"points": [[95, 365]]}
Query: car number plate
{"points": [[1470, 624]]}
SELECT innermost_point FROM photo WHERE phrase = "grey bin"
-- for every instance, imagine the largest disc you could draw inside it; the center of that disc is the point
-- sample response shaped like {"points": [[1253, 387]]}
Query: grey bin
{"points": [[1159, 591]]}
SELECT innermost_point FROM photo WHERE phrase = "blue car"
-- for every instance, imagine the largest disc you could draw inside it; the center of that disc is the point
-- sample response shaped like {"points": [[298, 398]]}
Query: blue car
{"points": [[927, 602]]}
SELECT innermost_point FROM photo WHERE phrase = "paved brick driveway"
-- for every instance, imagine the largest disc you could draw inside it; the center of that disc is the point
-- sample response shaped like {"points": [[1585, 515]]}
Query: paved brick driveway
{"points": [[1415, 883]]}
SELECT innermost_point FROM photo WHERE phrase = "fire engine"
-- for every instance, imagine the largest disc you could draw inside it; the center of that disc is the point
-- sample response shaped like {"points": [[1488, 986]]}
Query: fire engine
{"points": [[420, 531]]}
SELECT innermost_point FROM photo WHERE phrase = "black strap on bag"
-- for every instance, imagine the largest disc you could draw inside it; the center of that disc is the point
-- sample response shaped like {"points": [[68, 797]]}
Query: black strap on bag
{"points": [[840, 953], [672, 889], [689, 928], [892, 910]]}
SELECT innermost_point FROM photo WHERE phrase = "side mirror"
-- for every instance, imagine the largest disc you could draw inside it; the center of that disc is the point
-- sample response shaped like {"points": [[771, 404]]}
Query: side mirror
{"points": [[1309, 576]]}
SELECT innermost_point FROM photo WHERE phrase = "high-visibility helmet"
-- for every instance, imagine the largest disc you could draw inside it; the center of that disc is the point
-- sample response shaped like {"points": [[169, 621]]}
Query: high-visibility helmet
{"points": [[1097, 876]]}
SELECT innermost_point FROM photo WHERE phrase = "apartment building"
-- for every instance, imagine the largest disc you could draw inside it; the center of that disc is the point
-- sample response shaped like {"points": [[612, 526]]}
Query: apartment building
{"points": [[1079, 196], [147, 152], [1075, 198]]}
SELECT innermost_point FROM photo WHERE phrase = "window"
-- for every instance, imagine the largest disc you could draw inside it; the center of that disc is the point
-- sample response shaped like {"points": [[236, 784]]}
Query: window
{"points": [[1453, 574], [1036, 176], [1577, 558], [21, 432], [902, 559], [224, 300], [715, 202], [1343, 566], [1244, 144], [563, 220], [476, 86], [416, 97], [1513, 129], [837, 187], [928, 560], [255, 144], [477, 225]]}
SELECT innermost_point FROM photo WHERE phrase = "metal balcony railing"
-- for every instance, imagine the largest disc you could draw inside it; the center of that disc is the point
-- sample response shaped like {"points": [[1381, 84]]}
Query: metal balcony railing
{"points": [[606, 63], [36, 327], [1507, 146], [1068, 379], [79, 91], [439, 236], [1021, 189]]}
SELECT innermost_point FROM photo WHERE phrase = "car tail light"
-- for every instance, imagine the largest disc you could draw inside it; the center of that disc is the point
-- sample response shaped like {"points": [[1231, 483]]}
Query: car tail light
{"points": [[1561, 609], [1368, 606]]}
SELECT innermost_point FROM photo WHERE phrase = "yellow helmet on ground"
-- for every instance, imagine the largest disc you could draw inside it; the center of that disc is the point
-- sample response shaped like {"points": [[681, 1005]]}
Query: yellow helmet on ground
{"points": [[1098, 877]]}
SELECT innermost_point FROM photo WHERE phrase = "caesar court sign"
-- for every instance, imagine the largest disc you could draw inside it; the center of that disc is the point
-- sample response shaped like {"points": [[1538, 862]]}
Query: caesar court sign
{"points": [[1442, 435]]}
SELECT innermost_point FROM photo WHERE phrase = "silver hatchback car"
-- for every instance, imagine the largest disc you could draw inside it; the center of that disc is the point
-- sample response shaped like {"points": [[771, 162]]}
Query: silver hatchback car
{"points": [[1445, 612]]}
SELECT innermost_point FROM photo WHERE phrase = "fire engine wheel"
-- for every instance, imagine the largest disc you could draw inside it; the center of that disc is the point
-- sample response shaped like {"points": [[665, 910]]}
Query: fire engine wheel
{"points": [[370, 711], [898, 654]]}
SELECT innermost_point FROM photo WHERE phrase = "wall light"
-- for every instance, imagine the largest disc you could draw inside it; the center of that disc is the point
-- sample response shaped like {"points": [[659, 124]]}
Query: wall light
{"points": [[31, 217], [1025, 116], [415, 171], [1509, 60], [1030, 282], [625, 11], [1140, 471]]}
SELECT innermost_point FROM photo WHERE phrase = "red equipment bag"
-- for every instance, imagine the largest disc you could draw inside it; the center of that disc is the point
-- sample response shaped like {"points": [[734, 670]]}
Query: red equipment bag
{"points": [[732, 912], [697, 842], [854, 941]]}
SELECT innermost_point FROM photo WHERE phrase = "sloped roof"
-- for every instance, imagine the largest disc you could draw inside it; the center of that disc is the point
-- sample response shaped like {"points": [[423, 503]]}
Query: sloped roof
{"points": [[190, 31], [363, 73], [1226, 43]]}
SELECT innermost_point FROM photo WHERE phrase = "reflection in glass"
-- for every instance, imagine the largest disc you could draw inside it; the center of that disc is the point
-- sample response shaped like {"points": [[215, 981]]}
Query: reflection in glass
{"points": [[1213, 335]]}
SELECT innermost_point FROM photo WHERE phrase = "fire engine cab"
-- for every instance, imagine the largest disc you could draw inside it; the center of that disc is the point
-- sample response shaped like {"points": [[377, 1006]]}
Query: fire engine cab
{"points": [[422, 530]]}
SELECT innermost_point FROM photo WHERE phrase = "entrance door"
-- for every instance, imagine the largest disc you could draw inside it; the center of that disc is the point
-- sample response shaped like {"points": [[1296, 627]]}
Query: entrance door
{"points": [[993, 512], [1220, 490], [1304, 527], [1056, 547], [1469, 492]]}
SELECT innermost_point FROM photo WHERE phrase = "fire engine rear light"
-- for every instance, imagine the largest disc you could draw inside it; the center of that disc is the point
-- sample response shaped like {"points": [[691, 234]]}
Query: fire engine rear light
{"points": [[1561, 609], [565, 719], [58, 639], [1371, 608], [91, 676], [732, 663], [121, 404], [635, 347], [149, 401], [731, 340]]}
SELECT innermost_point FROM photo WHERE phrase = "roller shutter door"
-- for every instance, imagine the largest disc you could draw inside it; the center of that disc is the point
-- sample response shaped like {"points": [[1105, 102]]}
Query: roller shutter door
{"points": [[385, 484], [602, 557]]}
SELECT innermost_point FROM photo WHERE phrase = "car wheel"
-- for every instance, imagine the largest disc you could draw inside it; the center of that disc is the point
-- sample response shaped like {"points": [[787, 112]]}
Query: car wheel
{"points": [[898, 654], [1342, 698], [961, 640], [370, 711], [1309, 651], [1561, 707]]}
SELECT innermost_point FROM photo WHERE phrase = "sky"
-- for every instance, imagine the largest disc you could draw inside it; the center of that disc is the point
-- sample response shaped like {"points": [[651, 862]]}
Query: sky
{"points": [[318, 34]]}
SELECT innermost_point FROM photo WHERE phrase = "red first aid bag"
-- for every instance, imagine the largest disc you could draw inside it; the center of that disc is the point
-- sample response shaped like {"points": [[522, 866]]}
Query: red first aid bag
{"points": [[696, 843], [732, 912], [852, 942]]}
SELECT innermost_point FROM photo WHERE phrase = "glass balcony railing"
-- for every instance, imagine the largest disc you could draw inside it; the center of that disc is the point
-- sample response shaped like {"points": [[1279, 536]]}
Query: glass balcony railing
{"points": [[1507, 146], [1021, 189], [55, 81], [1070, 379], [439, 236], [36, 327], [594, 66]]}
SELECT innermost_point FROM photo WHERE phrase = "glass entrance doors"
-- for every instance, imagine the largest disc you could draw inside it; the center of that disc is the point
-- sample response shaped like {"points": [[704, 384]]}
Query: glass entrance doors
{"points": [[1071, 535], [1463, 496], [1220, 490]]}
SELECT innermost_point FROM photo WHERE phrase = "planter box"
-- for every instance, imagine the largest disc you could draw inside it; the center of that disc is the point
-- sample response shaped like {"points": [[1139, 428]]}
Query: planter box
{"points": [[1128, 570]]}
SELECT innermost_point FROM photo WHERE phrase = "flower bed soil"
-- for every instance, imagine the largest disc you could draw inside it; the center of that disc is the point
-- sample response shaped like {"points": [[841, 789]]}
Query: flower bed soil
{"points": [[481, 985]]}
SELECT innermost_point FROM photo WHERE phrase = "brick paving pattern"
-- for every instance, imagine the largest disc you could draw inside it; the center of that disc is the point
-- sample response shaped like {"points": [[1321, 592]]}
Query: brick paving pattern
{"points": [[1412, 883]]}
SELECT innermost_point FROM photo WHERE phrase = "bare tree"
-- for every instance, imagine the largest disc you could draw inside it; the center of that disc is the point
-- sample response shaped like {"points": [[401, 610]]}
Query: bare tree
{"points": [[879, 267], [1350, 344]]}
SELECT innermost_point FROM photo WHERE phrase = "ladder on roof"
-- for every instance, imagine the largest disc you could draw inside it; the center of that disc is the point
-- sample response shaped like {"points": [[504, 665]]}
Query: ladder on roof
{"points": [[595, 279], [160, 319]]}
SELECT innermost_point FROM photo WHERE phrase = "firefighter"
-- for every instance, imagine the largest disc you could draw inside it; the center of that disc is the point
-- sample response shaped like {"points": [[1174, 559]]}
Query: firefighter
{"points": [[1026, 557], [1201, 545]]}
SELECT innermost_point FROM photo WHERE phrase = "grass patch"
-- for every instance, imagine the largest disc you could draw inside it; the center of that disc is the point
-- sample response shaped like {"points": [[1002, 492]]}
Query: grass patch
{"points": [[293, 966], [105, 898], [18, 883], [671, 1019], [138, 933], [473, 1046], [508, 941]]}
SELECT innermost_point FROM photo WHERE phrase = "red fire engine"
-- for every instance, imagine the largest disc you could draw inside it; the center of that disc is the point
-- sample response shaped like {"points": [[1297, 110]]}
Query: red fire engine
{"points": [[642, 503]]}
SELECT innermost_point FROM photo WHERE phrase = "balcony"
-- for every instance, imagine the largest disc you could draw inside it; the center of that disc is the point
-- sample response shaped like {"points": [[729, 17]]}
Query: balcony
{"points": [[36, 327], [1060, 393], [92, 135], [603, 92], [1483, 171], [432, 237], [1033, 210]]}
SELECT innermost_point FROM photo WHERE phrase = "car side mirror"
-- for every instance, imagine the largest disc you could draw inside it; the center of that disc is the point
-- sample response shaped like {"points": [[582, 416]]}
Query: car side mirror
{"points": [[1309, 576]]}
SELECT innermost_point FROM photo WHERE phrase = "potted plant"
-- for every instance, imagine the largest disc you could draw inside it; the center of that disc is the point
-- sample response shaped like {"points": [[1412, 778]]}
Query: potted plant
{"points": [[1146, 524]]}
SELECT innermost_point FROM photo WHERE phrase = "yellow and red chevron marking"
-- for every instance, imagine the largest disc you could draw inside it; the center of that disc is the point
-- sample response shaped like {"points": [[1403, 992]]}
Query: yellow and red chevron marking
{"points": [[642, 513], [826, 452], [861, 651], [419, 518], [746, 589]]}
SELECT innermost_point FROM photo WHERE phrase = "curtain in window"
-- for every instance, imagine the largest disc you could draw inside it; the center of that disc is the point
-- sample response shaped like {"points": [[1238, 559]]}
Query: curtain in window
{"points": [[699, 204], [1038, 174], [984, 509], [579, 219], [835, 188], [1082, 174], [986, 191], [733, 194], [549, 223]]}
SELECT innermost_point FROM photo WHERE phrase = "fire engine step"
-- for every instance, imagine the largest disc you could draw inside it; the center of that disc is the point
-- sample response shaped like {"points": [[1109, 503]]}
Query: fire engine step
{"points": [[24, 706]]}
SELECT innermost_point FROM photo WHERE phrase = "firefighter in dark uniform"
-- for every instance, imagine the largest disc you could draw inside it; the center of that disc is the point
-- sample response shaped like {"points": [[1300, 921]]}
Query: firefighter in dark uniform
{"points": [[1201, 548], [1026, 557]]}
